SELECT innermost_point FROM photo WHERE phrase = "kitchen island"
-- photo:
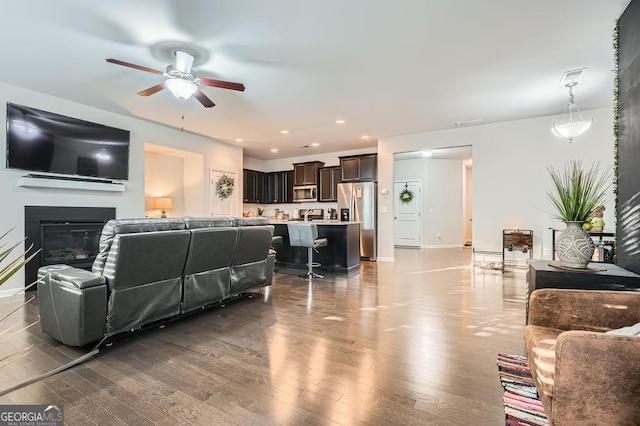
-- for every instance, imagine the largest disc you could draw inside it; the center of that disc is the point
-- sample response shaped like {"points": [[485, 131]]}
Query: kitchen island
{"points": [[342, 253]]}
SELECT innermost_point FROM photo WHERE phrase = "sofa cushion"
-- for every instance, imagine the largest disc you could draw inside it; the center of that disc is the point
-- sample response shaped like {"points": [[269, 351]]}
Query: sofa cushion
{"points": [[208, 222], [541, 353], [252, 221], [130, 226]]}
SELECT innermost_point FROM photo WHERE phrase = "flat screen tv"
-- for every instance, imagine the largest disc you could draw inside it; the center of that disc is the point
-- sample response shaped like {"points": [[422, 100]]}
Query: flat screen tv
{"points": [[46, 142]]}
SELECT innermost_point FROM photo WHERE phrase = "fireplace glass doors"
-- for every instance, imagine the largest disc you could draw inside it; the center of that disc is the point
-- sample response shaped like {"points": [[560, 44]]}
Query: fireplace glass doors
{"points": [[66, 235], [73, 244]]}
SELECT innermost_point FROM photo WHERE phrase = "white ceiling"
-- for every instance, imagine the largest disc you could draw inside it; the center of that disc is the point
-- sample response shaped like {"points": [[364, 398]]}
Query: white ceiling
{"points": [[386, 67]]}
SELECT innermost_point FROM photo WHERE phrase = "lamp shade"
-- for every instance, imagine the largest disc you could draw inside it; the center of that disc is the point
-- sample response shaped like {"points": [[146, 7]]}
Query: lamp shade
{"points": [[164, 203], [181, 89]]}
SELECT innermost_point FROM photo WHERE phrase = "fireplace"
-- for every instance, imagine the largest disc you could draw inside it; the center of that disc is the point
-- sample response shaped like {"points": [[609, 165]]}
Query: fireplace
{"points": [[68, 235]]}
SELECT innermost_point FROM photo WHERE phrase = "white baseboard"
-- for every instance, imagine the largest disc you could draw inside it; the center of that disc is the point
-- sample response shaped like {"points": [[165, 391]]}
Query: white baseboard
{"points": [[386, 259], [11, 292], [442, 246]]}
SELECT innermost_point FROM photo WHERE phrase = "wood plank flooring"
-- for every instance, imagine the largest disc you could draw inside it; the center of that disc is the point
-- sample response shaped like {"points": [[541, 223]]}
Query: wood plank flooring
{"points": [[405, 343]]}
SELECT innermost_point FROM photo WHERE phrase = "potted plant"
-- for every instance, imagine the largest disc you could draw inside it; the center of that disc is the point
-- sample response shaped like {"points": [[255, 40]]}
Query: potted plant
{"points": [[8, 268], [575, 195]]}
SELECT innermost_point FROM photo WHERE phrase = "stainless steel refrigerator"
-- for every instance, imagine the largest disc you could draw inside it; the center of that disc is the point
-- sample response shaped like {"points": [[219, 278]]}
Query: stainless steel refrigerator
{"points": [[357, 202]]}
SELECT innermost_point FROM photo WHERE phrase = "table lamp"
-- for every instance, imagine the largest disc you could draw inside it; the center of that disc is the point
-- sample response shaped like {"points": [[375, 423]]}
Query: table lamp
{"points": [[164, 203]]}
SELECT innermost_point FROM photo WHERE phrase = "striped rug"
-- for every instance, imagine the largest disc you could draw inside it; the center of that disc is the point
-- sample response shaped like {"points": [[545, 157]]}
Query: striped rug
{"points": [[521, 403]]}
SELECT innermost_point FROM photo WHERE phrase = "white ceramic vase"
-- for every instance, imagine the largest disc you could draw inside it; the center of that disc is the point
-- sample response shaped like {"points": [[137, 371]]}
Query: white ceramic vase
{"points": [[574, 247]]}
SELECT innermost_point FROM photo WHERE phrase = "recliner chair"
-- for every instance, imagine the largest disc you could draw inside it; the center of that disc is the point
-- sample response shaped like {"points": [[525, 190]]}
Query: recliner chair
{"points": [[306, 235]]}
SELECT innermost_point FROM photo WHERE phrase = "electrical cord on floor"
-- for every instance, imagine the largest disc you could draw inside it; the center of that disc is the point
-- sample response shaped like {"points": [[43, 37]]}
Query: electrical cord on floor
{"points": [[66, 366]]}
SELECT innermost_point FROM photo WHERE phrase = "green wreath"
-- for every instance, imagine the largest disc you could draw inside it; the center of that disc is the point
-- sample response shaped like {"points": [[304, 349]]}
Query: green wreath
{"points": [[406, 196], [224, 187]]}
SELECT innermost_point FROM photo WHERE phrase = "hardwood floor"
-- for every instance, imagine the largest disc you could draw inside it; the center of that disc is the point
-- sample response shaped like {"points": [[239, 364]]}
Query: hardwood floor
{"points": [[411, 342]]}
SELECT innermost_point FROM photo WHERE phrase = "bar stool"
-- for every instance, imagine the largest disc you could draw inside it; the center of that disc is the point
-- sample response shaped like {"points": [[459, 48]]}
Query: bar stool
{"points": [[306, 235]]}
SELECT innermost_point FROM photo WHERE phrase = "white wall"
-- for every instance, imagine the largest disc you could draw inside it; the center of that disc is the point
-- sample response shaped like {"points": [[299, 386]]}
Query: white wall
{"points": [[510, 179], [442, 198], [130, 203]]}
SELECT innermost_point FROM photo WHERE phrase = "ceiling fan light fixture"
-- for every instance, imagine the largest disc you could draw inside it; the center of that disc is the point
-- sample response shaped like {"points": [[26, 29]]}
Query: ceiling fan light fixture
{"points": [[181, 89], [572, 124]]}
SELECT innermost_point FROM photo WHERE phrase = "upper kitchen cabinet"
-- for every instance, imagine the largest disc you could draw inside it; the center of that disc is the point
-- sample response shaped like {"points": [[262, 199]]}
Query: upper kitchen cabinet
{"points": [[329, 180], [359, 168], [253, 186], [279, 187], [306, 173]]}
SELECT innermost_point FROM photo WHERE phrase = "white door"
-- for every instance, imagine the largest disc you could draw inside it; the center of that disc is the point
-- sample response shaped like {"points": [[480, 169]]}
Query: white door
{"points": [[407, 229], [223, 203]]}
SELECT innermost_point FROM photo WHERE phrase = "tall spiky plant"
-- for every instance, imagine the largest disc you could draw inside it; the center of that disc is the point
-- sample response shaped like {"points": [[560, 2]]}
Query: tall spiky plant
{"points": [[577, 191], [7, 271]]}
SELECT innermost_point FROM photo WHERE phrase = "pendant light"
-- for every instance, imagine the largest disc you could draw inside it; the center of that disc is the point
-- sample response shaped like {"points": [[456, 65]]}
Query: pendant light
{"points": [[572, 124]]}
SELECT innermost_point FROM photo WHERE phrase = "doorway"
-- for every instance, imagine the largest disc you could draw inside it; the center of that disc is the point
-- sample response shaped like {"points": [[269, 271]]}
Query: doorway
{"points": [[407, 221]]}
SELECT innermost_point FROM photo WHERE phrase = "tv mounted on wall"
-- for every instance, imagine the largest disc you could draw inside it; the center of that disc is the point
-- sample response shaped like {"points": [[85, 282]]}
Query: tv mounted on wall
{"points": [[46, 142]]}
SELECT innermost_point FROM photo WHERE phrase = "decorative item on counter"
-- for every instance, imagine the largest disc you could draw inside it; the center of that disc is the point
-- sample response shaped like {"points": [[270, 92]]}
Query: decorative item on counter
{"points": [[225, 187], [406, 195], [248, 213], [576, 193], [260, 211]]}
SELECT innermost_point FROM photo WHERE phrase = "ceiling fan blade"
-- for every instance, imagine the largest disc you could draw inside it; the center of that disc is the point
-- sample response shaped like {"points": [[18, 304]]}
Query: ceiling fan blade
{"points": [[134, 66], [152, 90], [204, 100], [184, 61], [220, 83]]}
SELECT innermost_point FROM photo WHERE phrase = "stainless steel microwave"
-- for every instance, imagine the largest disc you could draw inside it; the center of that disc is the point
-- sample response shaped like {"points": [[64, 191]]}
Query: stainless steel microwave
{"points": [[305, 193]]}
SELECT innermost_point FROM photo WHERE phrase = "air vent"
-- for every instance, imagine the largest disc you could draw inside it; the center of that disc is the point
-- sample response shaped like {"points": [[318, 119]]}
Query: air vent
{"points": [[469, 123], [572, 75]]}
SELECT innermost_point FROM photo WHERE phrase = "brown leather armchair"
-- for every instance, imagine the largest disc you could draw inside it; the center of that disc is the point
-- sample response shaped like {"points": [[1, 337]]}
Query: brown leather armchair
{"points": [[583, 375]]}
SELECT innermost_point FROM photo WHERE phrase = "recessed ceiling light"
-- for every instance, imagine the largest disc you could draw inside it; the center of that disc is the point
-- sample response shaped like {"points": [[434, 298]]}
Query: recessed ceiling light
{"points": [[274, 149], [365, 137], [340, 121], [427, 154], [239, 140], [284, 131], [315, 144]]}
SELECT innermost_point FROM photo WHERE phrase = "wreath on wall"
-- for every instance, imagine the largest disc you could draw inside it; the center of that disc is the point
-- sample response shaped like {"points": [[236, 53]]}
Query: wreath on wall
{"points": [[406, 196], [225, 186]]}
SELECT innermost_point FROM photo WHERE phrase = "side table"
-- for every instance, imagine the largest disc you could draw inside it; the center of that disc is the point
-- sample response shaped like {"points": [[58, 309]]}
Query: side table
{"points": [[541, 275]]}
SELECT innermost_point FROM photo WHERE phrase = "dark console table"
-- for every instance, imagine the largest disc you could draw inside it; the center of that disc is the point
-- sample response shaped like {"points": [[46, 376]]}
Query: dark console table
{"points": [[541, 275]]}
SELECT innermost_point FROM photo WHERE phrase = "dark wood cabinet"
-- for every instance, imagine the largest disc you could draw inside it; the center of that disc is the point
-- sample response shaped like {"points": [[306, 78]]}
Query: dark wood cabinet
{"points": [[279, 187], [253, 186], [330, 177], [288, 186], [306, 173], [268, 188], [359, 168]]}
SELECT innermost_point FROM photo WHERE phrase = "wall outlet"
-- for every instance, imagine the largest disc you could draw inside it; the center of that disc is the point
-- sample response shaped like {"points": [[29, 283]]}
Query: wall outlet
{"points": [[384, 209], [547, 252], [438, 235]]}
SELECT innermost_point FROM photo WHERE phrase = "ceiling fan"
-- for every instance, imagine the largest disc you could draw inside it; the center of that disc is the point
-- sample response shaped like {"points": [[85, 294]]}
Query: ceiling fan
{"points": [[181, 79]]}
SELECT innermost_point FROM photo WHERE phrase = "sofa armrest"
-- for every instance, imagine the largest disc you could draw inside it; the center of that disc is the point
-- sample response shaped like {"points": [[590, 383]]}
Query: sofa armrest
{"points": [[72, 304], [590, 310], [78, 278], [596, 380]]}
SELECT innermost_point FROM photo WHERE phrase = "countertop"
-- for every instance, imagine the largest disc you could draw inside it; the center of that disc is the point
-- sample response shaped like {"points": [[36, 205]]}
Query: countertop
{"points": [[317, 222]]}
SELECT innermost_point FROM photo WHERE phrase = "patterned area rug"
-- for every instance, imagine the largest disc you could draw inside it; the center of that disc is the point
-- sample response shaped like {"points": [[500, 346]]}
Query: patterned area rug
{"points": [[521, 403]]}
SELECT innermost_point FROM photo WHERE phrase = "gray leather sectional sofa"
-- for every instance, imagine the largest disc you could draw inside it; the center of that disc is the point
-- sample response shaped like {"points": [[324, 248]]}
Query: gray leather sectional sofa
{"points": [[150, 270]]}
